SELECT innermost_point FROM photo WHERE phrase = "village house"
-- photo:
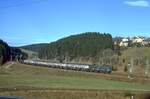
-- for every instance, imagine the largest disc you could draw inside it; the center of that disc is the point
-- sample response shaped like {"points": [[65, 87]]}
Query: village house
{"points": [[124, 42], [138, 39]]}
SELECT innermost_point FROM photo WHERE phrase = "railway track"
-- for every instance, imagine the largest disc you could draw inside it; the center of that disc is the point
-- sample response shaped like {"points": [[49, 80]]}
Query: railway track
{"points": [[71, 66]]}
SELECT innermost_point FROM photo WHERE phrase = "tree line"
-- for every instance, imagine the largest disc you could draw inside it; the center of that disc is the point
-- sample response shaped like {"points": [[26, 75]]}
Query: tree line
{"points": [[5, 52], [8, 53]]}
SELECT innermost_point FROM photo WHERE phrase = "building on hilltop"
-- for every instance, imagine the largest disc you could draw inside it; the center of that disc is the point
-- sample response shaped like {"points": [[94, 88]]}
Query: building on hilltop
{"points": [[138, 39], [124, 42], [132, 41]]}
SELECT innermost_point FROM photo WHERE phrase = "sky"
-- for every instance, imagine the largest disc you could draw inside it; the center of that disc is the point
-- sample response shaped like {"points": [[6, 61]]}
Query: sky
{"points": [[24, 22]]}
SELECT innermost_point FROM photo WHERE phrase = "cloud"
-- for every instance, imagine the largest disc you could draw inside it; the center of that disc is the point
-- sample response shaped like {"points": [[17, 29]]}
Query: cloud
{"points": [[138, 3]]}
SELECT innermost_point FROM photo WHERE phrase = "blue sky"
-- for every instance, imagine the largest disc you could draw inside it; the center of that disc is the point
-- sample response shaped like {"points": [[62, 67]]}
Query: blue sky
{"points": [[25, 22]]}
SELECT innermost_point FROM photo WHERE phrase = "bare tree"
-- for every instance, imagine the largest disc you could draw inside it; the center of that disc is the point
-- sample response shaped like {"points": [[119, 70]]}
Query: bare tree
{"points": [[130, 68], [146, 68]]}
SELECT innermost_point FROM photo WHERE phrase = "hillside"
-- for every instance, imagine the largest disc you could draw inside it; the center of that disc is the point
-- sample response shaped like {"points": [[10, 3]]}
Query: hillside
{"points": [[86, 45], [140, 55], [31, 54], [34, 47], [136, 52], [92, 48]]}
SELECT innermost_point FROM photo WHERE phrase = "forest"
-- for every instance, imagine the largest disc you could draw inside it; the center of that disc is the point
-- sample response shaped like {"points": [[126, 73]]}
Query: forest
{"points": [[84, 45]]}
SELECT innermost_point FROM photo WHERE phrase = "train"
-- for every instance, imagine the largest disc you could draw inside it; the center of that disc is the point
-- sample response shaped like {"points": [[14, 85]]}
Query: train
{"points": [[71, 66]]}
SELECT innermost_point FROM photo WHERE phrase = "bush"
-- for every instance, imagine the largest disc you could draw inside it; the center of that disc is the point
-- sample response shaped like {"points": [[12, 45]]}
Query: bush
{"points": [[125, 68], [126, 94], [114, 68]]}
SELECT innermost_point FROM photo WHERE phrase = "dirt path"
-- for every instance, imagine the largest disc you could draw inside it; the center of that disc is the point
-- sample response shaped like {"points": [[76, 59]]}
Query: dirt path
{"points": [[9, 65]]}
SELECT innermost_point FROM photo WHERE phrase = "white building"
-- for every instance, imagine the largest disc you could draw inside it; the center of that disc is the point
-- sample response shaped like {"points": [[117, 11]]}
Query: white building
{"points": [[138, 39], [124, 42]]}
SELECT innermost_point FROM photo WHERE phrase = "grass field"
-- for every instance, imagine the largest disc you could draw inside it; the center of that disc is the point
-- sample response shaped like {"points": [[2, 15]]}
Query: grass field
{"points": [[48, 81], [24, 75], [21, 76]]}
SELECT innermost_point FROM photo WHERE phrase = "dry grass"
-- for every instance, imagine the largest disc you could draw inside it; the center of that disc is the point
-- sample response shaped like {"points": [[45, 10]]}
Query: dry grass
{"points": [[76, 94]]}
